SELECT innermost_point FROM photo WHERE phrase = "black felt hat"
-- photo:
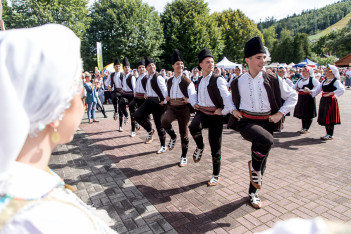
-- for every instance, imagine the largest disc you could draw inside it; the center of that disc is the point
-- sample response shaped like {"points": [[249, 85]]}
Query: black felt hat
{"points": [[176, 56], [141, 62], [204, 54], [116, 62], [125, 62], [148, 60], [254, 46]]}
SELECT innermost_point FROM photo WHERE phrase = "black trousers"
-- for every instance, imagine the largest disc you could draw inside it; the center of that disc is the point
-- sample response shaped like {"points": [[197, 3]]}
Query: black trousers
{"points": [[260, 134], [214, 123], [182, 114], [122, 109], [115, 96], [142, 117]]}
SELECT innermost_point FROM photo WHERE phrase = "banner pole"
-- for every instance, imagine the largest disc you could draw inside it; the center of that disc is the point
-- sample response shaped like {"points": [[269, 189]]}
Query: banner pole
{"points": [[2, 26]]}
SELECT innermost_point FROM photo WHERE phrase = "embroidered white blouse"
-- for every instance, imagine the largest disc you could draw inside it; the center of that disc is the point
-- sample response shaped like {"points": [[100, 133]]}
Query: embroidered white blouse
{"points": [[64, 213]]}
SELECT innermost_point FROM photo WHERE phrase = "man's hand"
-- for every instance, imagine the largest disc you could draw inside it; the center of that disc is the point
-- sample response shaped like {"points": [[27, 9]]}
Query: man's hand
{"points": [[276, 117], [167, 99], [196, 106], [218, 111], [185, 100], [237, 114]]}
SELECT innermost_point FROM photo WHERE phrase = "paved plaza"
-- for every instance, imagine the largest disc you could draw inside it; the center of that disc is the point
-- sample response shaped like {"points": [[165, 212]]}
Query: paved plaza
{"points": [[136, 190]]}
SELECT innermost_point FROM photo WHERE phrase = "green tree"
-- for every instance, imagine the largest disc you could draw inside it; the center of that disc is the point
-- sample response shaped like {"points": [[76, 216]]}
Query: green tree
{"points": [[126, 28], [30, 13], [188, 26], [302, 48], [270, 36], [236, 30], [283, 51], [339, 43]]}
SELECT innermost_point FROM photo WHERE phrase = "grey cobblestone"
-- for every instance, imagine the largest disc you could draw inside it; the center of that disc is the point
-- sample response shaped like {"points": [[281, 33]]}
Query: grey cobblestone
{"points": [[101, 184]]}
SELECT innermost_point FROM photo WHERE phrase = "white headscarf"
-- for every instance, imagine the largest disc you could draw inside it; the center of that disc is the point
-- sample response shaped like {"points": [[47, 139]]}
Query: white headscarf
{"points": [[310, 70], [40, 71], [335, 71], [285, 72]]}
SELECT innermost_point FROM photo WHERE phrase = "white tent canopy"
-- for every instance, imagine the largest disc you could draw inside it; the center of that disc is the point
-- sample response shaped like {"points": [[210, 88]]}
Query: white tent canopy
{"points": [[291, 65], [226, 64], [273, 65]]}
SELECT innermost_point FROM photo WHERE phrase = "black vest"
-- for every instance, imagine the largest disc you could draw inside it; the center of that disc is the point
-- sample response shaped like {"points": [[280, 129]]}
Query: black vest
{"points": [[329, 87], [113, 85], [156, 88], [213, 91], [183, 86], [129, 81], [271, 84], [309, 85]]}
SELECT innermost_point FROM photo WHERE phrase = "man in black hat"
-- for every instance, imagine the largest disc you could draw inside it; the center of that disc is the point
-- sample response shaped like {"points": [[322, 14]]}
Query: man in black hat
{"points": [[116, 86], [181, 94], [259, 111], [128, 90], [156, 91], [213, 101], [140, 91]]}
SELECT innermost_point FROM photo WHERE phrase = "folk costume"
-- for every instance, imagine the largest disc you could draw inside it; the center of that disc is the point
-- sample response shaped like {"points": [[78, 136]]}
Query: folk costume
{"points": [[139, 95], [156, 91], [285, 79], [116, 88], [128, 91], [257, 98], [305, 108], [34, 200], [328, 113], [181, 94], [212, 94]]}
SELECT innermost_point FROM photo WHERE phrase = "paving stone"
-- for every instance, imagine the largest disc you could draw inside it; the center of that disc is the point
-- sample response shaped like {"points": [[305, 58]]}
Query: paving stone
{"points": [[146, 193]]}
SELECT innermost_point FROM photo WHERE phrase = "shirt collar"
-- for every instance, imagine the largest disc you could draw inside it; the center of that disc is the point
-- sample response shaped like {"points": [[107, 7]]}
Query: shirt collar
{"points": [[209, 75]]}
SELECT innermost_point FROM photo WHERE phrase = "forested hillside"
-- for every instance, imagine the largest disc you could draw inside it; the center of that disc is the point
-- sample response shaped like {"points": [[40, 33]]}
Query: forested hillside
{"points": [[310, 21]]}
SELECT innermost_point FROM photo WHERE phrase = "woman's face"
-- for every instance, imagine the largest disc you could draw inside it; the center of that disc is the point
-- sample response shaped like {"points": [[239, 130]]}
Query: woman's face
{"points": [[305, 72], [329, 73], [71, 119]]}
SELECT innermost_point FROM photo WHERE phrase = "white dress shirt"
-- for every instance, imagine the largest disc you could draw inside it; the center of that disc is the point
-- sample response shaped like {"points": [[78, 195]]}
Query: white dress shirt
{"points": [[126, 88], [116, 79], [340, 89], [205, 100], [302, 82], [138, 85], [175, 91], [161, 83], [107, 81], [254, 98]]}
